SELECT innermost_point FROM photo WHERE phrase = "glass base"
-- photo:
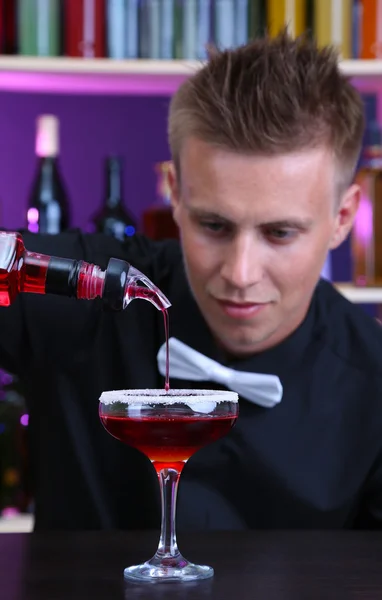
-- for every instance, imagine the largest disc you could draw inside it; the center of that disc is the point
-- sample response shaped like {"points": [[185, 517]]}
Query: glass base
{"points": [[164, 569]]}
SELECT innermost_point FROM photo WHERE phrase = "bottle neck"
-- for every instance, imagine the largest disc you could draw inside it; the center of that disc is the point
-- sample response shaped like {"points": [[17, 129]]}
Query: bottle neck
{"points": [[47, 168], [74, 279], [113, 191], [48, 160], [117, 285]]}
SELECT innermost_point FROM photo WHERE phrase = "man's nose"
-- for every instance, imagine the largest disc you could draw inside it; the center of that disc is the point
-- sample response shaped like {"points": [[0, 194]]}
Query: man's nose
{"points": [[242, 264]]}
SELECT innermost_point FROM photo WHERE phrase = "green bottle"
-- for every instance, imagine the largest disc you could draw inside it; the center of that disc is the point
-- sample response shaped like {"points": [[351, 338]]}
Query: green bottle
{"points": [[256, 18], [39, 27], [178, 29]]}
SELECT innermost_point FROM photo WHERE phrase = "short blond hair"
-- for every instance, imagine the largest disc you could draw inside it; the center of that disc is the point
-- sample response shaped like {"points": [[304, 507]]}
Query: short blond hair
{"points": [[270, 96]]}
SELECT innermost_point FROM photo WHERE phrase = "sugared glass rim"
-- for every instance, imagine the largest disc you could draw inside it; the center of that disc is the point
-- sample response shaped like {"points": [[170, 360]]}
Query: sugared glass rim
{"points": [[161, 396]]}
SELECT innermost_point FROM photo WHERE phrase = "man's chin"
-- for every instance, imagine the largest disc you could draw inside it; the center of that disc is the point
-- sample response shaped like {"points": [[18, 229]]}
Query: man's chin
{"points": [[240, 345]]}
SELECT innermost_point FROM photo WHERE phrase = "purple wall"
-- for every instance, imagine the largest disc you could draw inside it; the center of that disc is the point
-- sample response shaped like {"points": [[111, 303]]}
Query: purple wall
{"points": [[91, 127]]}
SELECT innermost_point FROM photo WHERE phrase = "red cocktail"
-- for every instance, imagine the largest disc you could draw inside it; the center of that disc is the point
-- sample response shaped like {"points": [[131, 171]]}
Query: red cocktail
{"points": [[168, 427]]}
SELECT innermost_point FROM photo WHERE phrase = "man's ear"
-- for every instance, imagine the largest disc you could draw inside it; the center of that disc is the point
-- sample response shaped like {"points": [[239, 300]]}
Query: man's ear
{"points": [[346, 214]]}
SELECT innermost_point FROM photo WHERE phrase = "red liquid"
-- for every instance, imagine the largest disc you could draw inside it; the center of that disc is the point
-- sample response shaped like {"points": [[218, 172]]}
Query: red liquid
{"points": [[168, 441], [20, 270], [24, 271], [142, 292]]}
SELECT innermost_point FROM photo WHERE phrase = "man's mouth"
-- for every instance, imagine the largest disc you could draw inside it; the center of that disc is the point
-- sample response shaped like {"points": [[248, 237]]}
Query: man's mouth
{"points": [[241, 310]]}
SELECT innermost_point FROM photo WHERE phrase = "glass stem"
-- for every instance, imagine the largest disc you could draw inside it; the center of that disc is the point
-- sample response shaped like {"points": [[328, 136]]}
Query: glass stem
{"points": [[168, 481]]}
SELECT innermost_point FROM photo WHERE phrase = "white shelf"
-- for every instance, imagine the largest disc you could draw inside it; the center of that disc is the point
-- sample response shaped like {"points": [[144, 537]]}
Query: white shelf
{"points": [[360, 295], [22, 523], [108, 76], [63, 75], [61, 64], [362, 68]]}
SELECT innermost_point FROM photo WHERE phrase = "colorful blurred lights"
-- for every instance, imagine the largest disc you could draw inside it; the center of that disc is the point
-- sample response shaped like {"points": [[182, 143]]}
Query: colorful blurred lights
{"points": [[363, 225], [130, 230], [32, 217], [24, 420]]}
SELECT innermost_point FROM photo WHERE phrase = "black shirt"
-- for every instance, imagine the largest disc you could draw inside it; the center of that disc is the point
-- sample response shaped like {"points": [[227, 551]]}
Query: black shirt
{"points": [[312, 461]]}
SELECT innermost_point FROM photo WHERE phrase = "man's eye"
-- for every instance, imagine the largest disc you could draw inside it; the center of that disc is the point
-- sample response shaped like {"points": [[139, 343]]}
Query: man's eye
{"points": [[281, 234], [212, 226]]}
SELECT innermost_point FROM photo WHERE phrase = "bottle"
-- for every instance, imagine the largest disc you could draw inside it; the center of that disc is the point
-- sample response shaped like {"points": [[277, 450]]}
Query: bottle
{"points": [[224, 24], [30, 272], [333, 25], [281, 13], [7, 27], [158, 222], [112, 218], [203, 30], [371, 29], [150, 29], [122, 28], [166, 41], [39, 27], [189, 31], [256, 19], [241, 22], [85, 28], [366, 236], [356, 32], [48, 206], [178, 29]]}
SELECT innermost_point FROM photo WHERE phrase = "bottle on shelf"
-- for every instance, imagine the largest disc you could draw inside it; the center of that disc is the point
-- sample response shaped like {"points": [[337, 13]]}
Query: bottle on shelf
{"points": [[48, 205], [22, 271], [356, 31], [241, 22], [366, 236], [189, 30], [333, 24], [370, 29], [157, 220], [8, 38], [38, 28], [112, 218], [256, 18], [150, 29], [192, 25], [281, 13], [85, 28], [122, 29], [167, 31], [224, 24]]}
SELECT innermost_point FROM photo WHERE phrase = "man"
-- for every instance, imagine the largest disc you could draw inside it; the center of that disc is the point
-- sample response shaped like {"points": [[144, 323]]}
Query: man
{"points": [[265, 141]]}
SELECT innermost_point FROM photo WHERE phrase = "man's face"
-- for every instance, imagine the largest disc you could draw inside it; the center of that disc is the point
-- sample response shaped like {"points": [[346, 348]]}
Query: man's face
{"points": [[255, 232]]}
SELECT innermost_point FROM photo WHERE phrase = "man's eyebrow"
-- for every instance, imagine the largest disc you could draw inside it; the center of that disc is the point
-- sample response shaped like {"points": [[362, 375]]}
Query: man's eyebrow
{"points": [[207, 214], [292, 223]]}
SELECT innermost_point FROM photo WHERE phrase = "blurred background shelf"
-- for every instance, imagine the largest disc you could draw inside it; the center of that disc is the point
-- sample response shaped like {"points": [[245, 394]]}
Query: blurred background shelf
{"points": [[106, 76], [93, 76], [22, 523], [362, 68], [359, 295]]}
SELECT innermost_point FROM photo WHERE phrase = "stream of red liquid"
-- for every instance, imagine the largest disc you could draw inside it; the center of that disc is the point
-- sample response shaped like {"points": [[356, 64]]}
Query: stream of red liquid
{"points": [[143, 292]]}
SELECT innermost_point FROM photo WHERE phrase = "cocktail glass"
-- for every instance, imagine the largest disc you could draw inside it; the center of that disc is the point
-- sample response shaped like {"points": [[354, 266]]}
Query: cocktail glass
{"points": [[168, 427]]}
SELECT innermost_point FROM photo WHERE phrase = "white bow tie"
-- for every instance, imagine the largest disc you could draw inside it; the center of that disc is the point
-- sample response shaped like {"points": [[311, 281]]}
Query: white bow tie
{"points": [[187, 363]]}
